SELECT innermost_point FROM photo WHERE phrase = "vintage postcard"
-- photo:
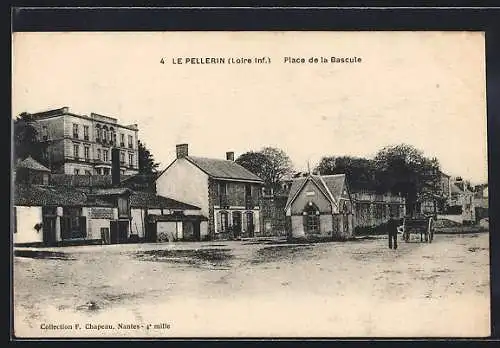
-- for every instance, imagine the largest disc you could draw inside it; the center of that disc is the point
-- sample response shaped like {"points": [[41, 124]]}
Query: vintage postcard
{"points": [[250, 184]]}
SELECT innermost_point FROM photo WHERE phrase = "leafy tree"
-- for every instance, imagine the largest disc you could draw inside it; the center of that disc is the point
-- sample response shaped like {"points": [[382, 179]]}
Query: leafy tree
{"points": [[256, 162], [270, 164], [26, 142], [361, 172], [147, 164], [404, 169]]}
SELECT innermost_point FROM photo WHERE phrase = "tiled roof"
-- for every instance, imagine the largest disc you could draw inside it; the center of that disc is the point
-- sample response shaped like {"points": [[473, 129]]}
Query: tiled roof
{"points": [[112, 191], [330, 185], [30, 163], [151, 200], [30, 195], [223, 169]]}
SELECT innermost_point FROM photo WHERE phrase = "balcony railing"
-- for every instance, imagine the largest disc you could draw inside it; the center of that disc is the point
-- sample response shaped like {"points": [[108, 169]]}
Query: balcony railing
{"points": [[249, 203]]}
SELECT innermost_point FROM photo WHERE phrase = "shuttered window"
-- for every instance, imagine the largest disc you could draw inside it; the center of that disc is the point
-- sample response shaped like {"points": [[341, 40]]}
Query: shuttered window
{"points": [[222, 221]]}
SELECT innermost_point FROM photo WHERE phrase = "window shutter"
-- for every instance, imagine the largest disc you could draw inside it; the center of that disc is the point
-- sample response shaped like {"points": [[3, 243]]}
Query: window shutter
{"points": [[244, 222], [219, 222]]}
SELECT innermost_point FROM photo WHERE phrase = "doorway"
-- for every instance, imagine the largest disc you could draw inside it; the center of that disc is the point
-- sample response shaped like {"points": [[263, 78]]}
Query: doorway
{"points": [[119, 231], [236, 223], [49, 230], [250, 224]]}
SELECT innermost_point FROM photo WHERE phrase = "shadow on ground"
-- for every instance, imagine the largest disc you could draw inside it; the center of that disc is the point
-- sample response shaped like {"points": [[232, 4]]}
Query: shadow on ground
{"points": [[195, 257], [289, 252], [42, 254]]}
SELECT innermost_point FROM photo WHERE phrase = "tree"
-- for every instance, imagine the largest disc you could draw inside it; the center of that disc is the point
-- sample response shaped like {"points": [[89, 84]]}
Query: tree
{"points": [[270, 164], [26, 142], [404, 169], [147, 164], [255, 162], [361, 172]]}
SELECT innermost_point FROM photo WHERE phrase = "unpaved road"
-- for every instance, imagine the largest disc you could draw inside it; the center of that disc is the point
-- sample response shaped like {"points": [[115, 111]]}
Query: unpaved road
{"points": [[359, 288]]}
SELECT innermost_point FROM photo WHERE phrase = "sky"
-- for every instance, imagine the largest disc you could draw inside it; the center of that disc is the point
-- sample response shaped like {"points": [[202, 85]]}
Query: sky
{"points": [[426, 89]]}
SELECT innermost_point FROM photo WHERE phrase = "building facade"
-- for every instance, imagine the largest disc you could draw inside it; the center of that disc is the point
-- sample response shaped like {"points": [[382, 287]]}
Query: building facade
{"points": [[81, 144], [320, 206], [227, 193], [372, 209]]}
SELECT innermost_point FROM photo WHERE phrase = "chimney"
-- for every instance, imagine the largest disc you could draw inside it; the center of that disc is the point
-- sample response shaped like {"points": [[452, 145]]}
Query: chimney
{"points": [[115, 167], [182, 150], [230, 156]]}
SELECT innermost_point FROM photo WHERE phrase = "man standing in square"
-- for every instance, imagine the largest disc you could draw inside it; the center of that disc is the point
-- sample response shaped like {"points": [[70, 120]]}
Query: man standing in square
{"points": [[392, 230]]}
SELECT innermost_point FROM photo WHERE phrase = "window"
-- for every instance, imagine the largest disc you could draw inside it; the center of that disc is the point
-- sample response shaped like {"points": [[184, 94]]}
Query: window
{"points": [[122, 206], [73, 224], [86, 132], [76, 151], [105, 155], [45, 135], [112, 136], [98, 133], [224, 222], [77, 171], [311, 219], [122, 140], [130, 141], [98, 154], [98, 171], [87, 172], [223, 193], [86, 152], [106, 171], [130, 159], [105, 134], [75, 131], [122, 157]]}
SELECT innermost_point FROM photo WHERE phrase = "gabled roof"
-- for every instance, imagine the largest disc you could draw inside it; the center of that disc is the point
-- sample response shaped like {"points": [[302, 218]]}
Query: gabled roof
{"points": [[151, 200], [30, 163], [331, 186], [221, 169]]}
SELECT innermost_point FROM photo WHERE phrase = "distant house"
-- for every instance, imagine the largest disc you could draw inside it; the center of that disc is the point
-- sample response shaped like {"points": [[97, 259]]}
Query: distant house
{"points": [[372, 209], [320, 206], [439, 201], [58, 215], [480, 202], [82, 144], [65, 214], [227, 193], [32, 172], [157, 218]]}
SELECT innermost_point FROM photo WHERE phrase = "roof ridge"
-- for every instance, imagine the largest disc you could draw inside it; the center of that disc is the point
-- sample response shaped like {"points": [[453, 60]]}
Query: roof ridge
{"points": [[330, 175], [327, 189]]}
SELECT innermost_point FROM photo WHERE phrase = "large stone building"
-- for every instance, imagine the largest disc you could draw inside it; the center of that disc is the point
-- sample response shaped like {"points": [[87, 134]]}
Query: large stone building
{"points": [[81, 144]]}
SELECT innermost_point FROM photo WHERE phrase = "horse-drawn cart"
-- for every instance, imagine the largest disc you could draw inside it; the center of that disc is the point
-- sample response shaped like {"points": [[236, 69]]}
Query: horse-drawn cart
{"points": [[419, 225]]}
